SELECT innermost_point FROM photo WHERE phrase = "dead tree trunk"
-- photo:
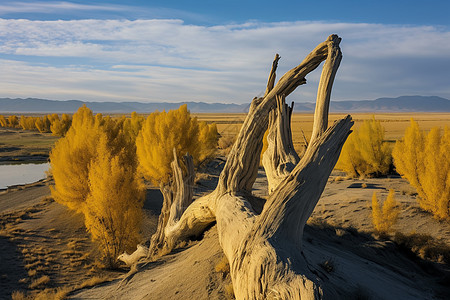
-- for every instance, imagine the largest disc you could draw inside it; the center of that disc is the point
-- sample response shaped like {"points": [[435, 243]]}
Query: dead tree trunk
{"points": [[177, 195], [264, 250], [280, 157]]}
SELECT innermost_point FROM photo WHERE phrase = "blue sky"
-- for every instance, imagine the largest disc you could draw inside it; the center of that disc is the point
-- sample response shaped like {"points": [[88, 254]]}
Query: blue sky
{"points": [[218, 51]]}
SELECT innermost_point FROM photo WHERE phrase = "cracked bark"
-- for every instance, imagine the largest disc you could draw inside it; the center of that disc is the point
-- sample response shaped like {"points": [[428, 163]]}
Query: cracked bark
{"points": [[280, 157], [264, 249], [177, 195]]}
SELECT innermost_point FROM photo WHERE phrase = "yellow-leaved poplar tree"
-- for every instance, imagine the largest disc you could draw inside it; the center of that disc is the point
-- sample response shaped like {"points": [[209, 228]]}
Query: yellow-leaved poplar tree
{"points": [[95, 172], [208, 137], [113, 211], [408, 152], [424, 160], [366, 153], [59, 127], [162, 132], [133, 125], [71, 156], [70, 159], [27, 123], [3, 122], [384, 218], [13, 121], [43, 124], [166, 137]]}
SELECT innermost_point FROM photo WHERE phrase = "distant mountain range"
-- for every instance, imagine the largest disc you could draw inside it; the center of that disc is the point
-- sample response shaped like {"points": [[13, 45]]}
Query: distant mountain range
{"points": [[399, 104]]}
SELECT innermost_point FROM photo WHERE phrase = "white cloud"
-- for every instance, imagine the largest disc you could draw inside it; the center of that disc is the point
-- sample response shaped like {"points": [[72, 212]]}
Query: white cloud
{"points": [[55, 6], [169, 60]]}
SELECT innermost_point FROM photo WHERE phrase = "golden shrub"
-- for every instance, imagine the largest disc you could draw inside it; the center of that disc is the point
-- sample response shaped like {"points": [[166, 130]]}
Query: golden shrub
{"points": [[52, 117], [162, 132], [225, 143], [113, 212], [385, 217], [43, 124], [71, 156], [133, 125], [208, 137], [70, 159], [59, 127], [3, 122], [365, 153], [95, 172], [13, 121], [27, 123], [424, 160]]}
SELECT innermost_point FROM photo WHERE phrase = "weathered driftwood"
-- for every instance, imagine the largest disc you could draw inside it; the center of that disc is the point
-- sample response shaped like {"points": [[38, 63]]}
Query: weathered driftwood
{"points": [[264, 250], [280, 157], [177, 194]]}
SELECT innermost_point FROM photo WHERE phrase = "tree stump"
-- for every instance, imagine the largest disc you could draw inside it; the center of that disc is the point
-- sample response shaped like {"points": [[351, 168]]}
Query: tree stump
{"points": [[264, 249]]}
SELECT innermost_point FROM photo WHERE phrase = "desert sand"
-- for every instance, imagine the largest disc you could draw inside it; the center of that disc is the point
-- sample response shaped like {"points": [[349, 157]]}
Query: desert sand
{"points": [[46, 249], [339, 238]]}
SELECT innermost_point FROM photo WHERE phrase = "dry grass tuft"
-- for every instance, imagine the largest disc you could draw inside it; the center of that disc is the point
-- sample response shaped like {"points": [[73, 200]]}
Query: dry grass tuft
{"points": [[18, 295], [338, 178], [53, 294], [24, 280], [425, 246], [201, 177], [384, 217], [328, 265], [93, 281], [47, 200], [229, 291], [72, 244], [43, 280], [80, 258], [70, 253], [34, 264], [32, 273], [47, 294], [222, 266], [225, 143]]}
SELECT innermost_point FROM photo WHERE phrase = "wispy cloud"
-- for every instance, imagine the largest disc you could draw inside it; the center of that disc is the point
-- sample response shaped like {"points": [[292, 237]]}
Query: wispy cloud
{"points": [[162, 59], [42, 10], [56, 6]]}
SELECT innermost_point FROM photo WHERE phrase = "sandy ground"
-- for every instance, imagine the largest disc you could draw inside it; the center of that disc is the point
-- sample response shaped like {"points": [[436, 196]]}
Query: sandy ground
{"points": [[348, 203], [393, 123], [39, 237], [338, 239]]}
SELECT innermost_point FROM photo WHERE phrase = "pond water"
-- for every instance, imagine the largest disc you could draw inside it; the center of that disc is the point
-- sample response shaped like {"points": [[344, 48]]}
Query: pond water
{"points": [[21, 174]]}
